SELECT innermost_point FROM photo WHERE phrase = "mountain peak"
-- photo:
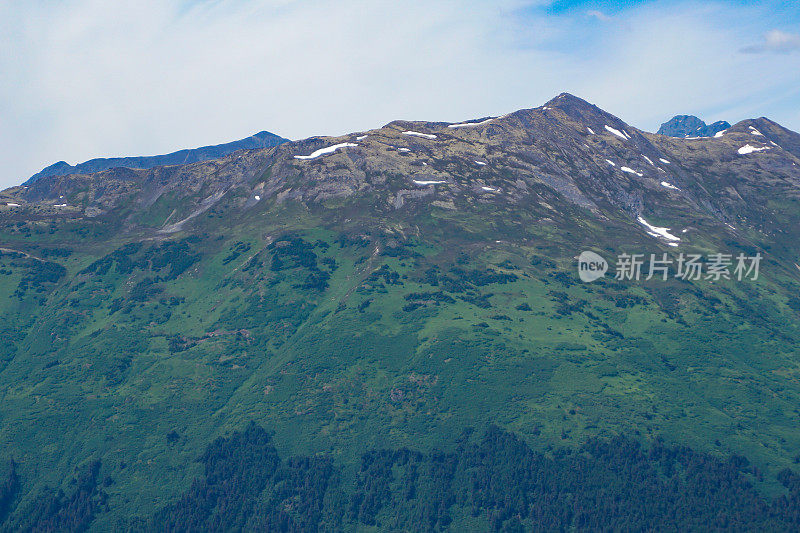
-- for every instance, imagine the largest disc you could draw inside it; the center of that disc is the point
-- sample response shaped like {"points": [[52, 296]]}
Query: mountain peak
{"points": [[570, 101], [683, 126], [565, 95]]}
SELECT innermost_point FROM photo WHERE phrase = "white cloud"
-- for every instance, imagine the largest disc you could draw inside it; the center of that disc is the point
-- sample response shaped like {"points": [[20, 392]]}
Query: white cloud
{"points": [[775, 41], [97, 78], [91, 78], [599, 15]]}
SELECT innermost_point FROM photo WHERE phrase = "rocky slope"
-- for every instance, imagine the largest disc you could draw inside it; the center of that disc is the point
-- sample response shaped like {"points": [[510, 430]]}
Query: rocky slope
{"points": [[567, 151]]}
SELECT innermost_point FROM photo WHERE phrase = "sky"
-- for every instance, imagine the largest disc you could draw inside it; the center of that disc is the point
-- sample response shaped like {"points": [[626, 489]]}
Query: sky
{"points": [[91, 78]]}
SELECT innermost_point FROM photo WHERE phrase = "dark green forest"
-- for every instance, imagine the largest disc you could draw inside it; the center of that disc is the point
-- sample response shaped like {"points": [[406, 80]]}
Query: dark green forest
{"points": [[484, 481]]}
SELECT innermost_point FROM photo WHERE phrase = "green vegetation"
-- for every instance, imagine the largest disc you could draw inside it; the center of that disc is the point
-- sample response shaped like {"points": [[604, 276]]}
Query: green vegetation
{"points": [[493, 482], [367, 347]]}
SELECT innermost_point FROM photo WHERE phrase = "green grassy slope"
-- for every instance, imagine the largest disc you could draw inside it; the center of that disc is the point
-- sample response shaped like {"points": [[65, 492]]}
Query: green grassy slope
{"points": [[343, 335]]}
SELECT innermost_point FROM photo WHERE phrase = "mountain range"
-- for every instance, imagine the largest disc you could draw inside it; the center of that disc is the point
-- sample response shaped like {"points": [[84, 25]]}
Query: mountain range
{"points": [[262, 139], [387, 330]]}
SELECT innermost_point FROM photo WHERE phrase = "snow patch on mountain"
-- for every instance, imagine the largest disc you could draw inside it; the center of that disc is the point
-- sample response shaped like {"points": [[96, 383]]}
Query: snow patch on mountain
{"points": [[470, 124], [623, 135], [747, 149], [631, 171], [418, 134], [324, 151], [655, 231]]}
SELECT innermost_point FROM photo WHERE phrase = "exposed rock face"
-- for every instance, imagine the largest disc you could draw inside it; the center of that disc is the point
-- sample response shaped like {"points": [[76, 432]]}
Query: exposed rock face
{"points": [[554, 159], [263, 139], [690, 126]]}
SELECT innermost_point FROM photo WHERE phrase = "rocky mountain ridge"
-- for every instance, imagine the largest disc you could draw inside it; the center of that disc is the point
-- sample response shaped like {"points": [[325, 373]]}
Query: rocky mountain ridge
{"points": [[564, 152]]}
